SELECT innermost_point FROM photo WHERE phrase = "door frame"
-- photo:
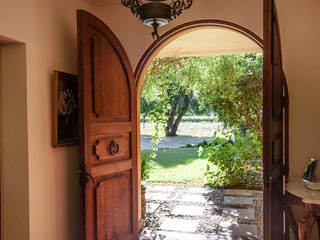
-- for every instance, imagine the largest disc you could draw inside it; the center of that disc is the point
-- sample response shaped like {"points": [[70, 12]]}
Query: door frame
{"points": [[156, 47]]}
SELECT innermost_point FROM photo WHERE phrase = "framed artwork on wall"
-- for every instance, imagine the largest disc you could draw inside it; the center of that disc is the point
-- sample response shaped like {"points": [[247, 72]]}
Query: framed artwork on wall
{"points": [[64, 109]]}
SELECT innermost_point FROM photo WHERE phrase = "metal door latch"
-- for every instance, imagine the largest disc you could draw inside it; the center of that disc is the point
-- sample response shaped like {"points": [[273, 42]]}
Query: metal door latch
{"points": [[85, 177]]}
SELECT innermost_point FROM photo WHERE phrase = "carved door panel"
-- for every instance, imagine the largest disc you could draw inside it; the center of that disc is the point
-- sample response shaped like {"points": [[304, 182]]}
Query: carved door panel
{"points": [[275, 126], [108, 133]]}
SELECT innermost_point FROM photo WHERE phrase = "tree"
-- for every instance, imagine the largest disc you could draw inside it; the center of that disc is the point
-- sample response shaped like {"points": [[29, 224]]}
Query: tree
{"points": [[174, 79], [232, 88]]}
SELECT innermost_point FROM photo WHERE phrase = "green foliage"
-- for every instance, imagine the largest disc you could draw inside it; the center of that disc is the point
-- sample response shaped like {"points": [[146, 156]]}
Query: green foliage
{"points": [[232, 88], [145, 166], [174, 75], [203, 144], [145, 108], [159, 116], [230, 162]]}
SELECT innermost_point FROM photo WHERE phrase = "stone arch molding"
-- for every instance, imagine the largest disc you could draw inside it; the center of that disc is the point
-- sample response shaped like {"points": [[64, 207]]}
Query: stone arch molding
{"points": [[180, 30]]}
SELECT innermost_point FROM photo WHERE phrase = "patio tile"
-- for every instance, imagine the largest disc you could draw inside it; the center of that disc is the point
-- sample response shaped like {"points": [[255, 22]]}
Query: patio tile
{"points": [[198, 190], [195, 198], [161, 188], [244, 213], [157, 196], [190, 210], [240, 230], [239, 192], [152, 207], [181, 225], [169, 235], [238, 201]]}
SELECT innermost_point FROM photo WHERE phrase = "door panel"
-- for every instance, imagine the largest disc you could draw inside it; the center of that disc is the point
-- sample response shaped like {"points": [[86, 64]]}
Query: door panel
{"points": [[108, 132], [112, 206], [105, 95], [110, 148], [275, 135]]}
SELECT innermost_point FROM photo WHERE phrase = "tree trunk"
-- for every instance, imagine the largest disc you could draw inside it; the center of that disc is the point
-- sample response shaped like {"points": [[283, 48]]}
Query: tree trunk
{"points": [[171, 118], [182, 112]]}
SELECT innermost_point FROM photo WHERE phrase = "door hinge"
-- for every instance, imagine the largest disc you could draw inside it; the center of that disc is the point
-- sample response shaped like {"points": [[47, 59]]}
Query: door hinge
{"points": [[269, 180], [284, 101], [284, 236], [284, 170]]}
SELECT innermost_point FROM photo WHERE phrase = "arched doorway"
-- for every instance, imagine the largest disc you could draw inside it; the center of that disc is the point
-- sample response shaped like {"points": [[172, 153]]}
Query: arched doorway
{"points": [[171, 36], [108, 116], [174, 33]]}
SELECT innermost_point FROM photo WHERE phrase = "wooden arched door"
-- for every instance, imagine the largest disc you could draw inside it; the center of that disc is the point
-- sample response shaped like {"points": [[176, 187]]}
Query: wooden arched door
{"points": [[276, 130], [108, 133]]}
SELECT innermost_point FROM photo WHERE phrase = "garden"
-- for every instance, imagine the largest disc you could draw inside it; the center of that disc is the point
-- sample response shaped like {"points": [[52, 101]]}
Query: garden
{"points": [[201, 147], [201, 121]]}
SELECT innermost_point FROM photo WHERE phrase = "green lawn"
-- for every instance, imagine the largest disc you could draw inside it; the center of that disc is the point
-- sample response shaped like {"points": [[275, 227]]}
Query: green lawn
{"points": [[180, 165]]}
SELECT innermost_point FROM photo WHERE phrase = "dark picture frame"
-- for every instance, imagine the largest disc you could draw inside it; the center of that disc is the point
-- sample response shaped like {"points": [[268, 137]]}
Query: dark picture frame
{"points": [[65, 119]]}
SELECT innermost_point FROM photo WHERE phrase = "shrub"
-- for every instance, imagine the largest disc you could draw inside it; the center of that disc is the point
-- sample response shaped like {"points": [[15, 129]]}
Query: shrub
{"points": [[203, 144], [232, 162], [189, 145], [145, 166]]}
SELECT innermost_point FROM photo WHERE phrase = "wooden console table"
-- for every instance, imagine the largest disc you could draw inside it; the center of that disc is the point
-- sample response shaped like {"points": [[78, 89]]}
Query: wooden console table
{"points": [[298, 195]]}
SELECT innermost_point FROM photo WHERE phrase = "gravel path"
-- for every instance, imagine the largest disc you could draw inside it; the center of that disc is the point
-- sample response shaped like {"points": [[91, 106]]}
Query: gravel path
{"points": [[172, 142], [197, 129]]}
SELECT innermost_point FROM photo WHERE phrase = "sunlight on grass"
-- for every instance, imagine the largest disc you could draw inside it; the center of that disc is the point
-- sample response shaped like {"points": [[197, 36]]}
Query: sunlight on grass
{"points": [[180, 165]]}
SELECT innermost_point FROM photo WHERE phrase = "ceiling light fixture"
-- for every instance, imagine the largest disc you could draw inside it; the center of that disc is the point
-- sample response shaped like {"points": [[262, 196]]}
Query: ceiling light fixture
{"points": [[156, 13]]}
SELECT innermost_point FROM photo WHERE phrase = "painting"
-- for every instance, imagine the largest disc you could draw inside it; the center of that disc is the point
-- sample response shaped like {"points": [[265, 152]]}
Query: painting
{"points": [[65, 109]]}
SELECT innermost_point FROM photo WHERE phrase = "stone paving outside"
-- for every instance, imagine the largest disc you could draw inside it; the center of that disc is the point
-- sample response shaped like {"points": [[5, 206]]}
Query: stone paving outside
{"points": [[183, 212], [172, 142]]}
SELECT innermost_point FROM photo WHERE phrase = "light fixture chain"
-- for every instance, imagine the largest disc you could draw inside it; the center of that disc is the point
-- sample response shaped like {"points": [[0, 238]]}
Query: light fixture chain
{"points": [[156, 13]]}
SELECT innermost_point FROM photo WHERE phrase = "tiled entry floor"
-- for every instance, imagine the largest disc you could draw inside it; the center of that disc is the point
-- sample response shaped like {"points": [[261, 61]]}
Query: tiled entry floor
{"points": [[181, 212]]}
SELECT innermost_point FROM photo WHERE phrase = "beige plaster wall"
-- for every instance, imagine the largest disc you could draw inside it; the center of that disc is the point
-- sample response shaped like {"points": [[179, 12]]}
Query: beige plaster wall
{"points": [[14, 143], [48, 29], [136, 37], [300, 33]]}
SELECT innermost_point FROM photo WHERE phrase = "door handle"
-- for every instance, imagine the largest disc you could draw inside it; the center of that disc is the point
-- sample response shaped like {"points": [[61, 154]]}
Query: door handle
{"points": [[114, 147]]}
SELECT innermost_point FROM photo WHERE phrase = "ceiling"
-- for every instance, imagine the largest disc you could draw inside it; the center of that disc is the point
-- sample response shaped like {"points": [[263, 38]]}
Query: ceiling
{"points": [[211, 41]]}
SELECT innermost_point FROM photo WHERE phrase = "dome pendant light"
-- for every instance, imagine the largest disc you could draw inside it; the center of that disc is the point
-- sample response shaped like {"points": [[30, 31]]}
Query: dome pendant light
{"points": [[156, 13]]}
